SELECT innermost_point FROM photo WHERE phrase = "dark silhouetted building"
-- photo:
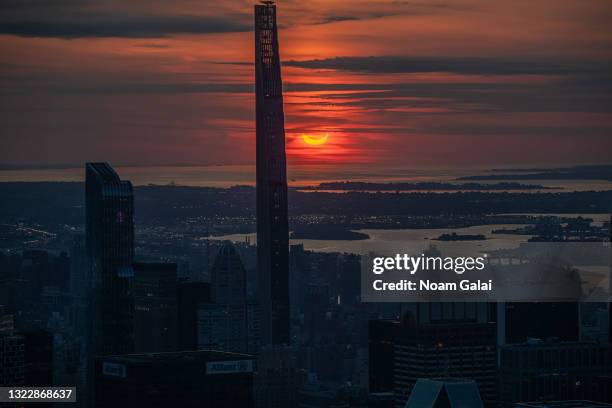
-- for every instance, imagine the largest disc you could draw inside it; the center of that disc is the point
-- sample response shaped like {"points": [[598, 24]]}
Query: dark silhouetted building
{"points": [[320, 395], [272, 224], [444, 340], [110, 250], [316, 306], [38, 357], [79, 288], [193, 379], [222, 324], [34, 268], [190, 295], [552, 371], [278, 378], [603, 388], [155, 287], [12, 346], [521, 321], [228, 277], [381, 343], [463, 350]]}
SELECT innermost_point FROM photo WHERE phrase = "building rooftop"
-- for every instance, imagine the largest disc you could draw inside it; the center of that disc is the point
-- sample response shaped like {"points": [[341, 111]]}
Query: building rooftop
{"points": [[563, 404], [104, 171], [177, 357], [446, 392], [538, 343]]}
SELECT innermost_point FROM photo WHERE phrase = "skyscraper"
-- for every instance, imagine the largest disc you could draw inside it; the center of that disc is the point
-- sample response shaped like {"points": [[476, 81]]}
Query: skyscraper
{"points": [[12, 362], [272, 228], [223, 324], [189, 296], [110, 251], [552, 370], [435, 340], [518, 322], [155, 326], [446, 349]]}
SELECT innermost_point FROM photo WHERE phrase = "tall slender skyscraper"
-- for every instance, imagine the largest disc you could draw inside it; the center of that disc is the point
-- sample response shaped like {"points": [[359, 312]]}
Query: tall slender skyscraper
{"points": [[272, 228], [110, 251]]}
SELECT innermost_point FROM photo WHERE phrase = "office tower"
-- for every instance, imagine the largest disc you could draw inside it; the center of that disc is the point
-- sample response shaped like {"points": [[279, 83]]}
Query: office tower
{"points": [[34, 268], [299, 276], [603, 388], [110, 250], [191, 379], [12, 363], [189, 296], [272, 227], [348, 279], [59, 272], [11, 360], [552, 371], [222, 324], [437, 340], [518, 322], [155, 325], [79, 283], [68, 360], [78, 267], [228, 277], [38, 357], [11, 284], [316, 307], [453, 349], [278, 378], [445, 393], [215, 330], [381, 344]]}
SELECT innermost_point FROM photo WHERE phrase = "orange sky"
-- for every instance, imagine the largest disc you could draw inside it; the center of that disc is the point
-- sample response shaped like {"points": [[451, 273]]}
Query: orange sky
{"points": [[390, 81]]}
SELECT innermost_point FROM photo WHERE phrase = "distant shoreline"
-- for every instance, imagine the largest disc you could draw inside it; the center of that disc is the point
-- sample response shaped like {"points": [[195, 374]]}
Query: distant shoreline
{"points": [[433, 186], [345, 178]]}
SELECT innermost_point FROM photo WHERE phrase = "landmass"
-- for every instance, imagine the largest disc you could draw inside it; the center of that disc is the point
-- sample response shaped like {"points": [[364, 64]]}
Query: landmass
{"points": [[597, 172], [423, 186], [38, 214], [327, 232], [461, 237]]}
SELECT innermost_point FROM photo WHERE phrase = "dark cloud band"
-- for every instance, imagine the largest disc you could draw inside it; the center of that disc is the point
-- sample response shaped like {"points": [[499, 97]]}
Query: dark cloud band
{"points": [[475, 66], [138, 27]]}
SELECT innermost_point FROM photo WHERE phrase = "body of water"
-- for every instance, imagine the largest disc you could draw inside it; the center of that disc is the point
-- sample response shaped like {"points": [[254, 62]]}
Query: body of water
{"points": [[412, 241]]}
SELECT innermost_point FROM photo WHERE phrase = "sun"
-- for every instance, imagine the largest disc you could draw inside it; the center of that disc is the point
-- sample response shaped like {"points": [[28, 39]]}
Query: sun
{"points": [[315, 141]]}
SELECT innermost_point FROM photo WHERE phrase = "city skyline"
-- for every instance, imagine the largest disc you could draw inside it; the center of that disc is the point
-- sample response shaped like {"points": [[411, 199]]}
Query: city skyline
{"points": [[399, 204], [383, 82]]}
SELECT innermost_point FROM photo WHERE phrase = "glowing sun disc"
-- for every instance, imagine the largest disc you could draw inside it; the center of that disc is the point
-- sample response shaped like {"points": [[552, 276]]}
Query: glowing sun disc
{"points": [[315, 140]]}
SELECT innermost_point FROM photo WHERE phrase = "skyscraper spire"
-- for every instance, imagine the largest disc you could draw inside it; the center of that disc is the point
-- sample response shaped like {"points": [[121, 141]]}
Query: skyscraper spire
{"points": [[272, 227]]}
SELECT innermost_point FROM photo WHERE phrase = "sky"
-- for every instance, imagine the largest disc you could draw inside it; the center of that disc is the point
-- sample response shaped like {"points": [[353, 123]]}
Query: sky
{"points": [[384, 82]]}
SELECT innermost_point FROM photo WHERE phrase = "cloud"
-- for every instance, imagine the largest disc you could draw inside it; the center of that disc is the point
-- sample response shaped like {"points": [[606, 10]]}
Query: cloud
{"points": [[115, 26], [159, 18], [474, 66], [116, 18]]}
